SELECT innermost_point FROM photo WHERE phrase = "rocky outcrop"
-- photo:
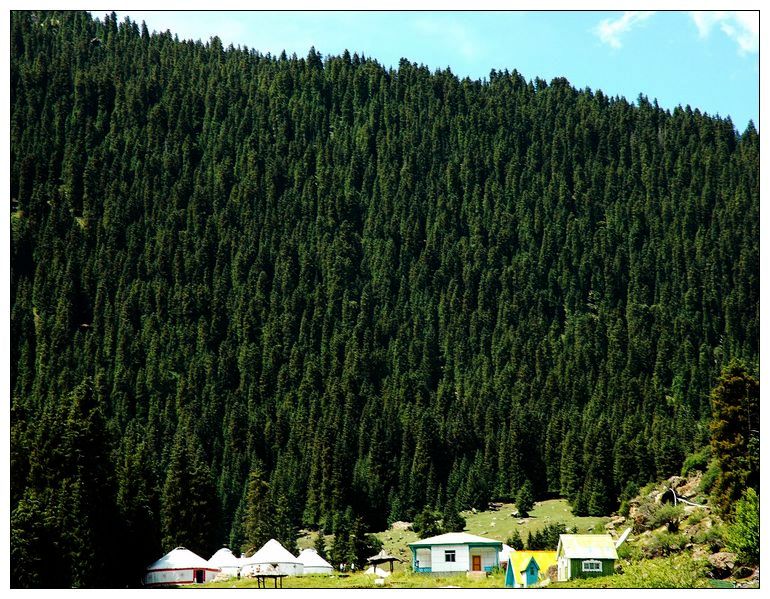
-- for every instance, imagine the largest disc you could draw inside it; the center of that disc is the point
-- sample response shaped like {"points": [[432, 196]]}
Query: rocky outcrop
{"points": [[721, 564]]}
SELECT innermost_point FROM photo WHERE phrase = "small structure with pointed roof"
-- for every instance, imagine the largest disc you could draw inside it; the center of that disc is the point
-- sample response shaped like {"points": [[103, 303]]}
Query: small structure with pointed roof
{"points": [[527, 568], [585, 556], [179, 567], [272, 558], [455, 552], [226, 562], [312, 563]]}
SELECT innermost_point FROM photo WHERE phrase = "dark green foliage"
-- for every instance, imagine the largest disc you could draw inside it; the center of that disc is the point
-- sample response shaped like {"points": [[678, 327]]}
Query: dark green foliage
{"points": [[525, 499], [389, 287], [452, 520], [697, 461], [256, 523], [735, 436], [743, 534], [547, 538], [320, 545], [428, 524], [515, 541]]}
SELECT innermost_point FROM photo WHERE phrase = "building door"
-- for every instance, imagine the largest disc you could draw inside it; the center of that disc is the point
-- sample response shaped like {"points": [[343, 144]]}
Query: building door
{"points": [[476, 563], [200, 577]]}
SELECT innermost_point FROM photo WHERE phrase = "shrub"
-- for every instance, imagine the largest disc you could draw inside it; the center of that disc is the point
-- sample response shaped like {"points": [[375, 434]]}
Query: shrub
{"points": [[665, 543], [743, 534], [697, 461], [696, 517], [669, 515], [713, 538], [709, 478]]}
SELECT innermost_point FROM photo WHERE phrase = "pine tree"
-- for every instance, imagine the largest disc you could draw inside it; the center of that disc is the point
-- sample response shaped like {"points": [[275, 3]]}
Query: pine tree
{"points": [[525, 499], [735, 435]]}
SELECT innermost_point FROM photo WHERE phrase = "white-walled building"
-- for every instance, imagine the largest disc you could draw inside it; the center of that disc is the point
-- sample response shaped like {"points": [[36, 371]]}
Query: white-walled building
{"points": [[313, 563], [455, 552], [177, 567], [272, 557]]}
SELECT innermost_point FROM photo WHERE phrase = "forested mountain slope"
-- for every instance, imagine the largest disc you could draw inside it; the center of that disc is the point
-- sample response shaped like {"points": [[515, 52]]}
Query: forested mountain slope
{"points": [[370, 289]]}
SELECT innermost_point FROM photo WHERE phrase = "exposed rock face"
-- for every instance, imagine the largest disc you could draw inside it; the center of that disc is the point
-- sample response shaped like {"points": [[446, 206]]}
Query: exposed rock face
{"points": [[689, 488], [722, 564], [400, 525]]}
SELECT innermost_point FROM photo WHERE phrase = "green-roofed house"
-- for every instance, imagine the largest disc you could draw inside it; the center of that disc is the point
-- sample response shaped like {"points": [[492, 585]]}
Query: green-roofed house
{"points": [[585, 556], [455, 552]]}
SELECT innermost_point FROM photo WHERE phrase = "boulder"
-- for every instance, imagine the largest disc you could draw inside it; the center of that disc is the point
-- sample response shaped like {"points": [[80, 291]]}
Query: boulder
{"points": [[400, 525], [721, 564]]}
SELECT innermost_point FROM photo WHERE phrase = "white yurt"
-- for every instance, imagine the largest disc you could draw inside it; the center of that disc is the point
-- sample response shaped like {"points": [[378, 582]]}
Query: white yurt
{"points": [[180, 566], [313, 563], [271, 558], [226, 562]]}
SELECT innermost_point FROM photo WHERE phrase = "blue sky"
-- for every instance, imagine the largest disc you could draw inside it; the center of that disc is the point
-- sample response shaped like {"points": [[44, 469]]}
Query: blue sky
{"points": [[708, 60]]}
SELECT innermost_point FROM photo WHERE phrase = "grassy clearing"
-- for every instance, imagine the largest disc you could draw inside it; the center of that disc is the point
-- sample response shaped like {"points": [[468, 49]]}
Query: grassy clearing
{"points": [[500, 524], [359, 580]]}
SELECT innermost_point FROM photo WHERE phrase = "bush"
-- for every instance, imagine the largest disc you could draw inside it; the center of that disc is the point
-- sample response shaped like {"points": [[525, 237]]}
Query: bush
{"points": [[713, 538], [665, 543], [667, 515], [624, 508], [696, 517], [698, 461], [743, 534], [709, 478]]}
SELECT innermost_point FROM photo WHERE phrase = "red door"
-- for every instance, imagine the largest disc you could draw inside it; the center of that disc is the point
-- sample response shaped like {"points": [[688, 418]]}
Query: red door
{"points": [[476, 564]]}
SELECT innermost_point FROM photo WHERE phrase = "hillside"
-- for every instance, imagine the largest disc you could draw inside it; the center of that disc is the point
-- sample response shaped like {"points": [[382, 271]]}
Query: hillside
{"points": [[252, 294]]}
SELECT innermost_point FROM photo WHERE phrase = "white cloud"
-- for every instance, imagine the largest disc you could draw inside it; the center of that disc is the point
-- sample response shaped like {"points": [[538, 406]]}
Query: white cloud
{"points": [[740, 26], [452, 33], [610, 30]]}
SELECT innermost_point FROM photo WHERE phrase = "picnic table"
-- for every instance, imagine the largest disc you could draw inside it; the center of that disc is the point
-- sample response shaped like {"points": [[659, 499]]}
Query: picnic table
{"points": [[263, 576]]}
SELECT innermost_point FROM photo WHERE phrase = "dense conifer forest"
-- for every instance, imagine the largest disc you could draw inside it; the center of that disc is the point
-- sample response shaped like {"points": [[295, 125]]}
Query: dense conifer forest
{"points": [[252, 294]]}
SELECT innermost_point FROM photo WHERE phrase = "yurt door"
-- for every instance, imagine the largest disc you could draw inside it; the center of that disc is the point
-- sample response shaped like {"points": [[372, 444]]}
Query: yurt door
{"points": [[200, 576]]}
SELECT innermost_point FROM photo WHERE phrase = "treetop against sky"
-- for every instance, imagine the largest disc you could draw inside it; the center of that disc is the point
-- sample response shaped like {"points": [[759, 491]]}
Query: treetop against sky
{"points": [[706, 59]]}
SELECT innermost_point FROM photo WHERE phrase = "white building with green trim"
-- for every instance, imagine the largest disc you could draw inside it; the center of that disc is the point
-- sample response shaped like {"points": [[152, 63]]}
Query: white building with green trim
{"points": [[455, 552]]}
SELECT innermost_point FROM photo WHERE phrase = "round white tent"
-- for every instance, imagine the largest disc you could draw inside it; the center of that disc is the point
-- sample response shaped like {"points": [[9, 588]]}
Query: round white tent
{"points": [[180, 566], [313, 563], [272, 557], [226, 562]]}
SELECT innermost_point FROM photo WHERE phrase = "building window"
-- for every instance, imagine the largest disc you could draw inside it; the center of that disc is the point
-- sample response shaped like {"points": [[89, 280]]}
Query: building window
{"points": [[449, 555], [592, 565], [532, 569]]}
